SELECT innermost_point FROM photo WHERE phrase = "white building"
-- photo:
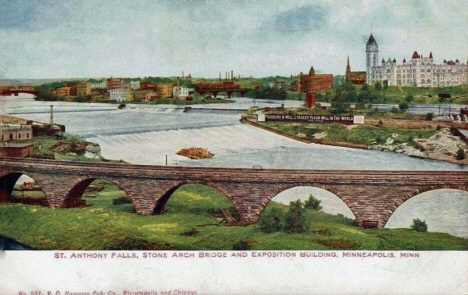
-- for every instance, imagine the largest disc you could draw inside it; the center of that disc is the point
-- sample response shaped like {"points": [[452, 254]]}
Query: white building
{"points": [[102, 85], [419, 71], [180, 92], [135, 85], [117, 94]]}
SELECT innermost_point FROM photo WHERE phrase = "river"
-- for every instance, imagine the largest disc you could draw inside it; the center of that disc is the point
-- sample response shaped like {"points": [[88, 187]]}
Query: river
{"points": [[146, 134]]}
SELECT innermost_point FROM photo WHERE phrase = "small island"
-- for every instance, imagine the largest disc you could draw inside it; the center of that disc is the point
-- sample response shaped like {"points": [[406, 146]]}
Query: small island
{"points": [[196, 153]]}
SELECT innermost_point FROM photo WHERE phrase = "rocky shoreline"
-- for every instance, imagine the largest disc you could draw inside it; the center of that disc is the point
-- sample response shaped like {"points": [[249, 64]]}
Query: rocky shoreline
{"points": [[442, 146]]}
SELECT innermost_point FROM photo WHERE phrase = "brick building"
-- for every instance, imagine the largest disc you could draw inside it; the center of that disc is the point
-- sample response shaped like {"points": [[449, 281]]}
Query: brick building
{"points": [[354, 77], [314, 82], [22, 150], [115, 83]]}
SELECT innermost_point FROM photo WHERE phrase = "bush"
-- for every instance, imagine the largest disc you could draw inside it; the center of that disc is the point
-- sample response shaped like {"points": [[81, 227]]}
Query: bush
{"points": [[460, 154], [242, 245], [313, 203], [271, 221], [419, 225], [403, 106], [296, 220], [429, 116]]}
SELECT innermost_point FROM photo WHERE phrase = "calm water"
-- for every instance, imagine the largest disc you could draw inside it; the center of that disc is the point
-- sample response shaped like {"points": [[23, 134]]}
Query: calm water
{"points": [[145, 134]]}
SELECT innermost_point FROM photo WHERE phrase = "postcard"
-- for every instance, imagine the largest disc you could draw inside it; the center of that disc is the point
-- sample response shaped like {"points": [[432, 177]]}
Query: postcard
{"points": [[233, 147]]}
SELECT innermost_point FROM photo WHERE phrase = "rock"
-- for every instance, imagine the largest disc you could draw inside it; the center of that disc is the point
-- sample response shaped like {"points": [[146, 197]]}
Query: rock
{"points": [[389, 140], [301, 135], [320, 135]]}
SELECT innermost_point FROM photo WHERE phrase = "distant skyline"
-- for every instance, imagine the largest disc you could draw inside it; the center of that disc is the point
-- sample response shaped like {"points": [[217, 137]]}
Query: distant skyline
{"points": [[94, 38]]}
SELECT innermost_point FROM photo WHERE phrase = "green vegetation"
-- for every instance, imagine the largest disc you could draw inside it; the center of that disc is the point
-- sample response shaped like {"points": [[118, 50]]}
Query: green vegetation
{"points": [[270, 93], [361, 95], [296, 220], [313, 203], [362, 134], [192, 221], [419, 225]]}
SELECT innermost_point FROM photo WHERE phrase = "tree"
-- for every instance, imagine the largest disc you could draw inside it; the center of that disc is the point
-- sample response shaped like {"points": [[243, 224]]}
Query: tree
{"points": [[296, 221], [313, 203], [429, 116], [365, 87], [403, 106], [409, 98], [271, 220], [419, 225], [385, 84], [378, 86]]}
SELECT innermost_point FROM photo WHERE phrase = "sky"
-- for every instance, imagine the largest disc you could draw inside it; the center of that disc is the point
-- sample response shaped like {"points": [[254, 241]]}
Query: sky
{"points": [[123, 38]]}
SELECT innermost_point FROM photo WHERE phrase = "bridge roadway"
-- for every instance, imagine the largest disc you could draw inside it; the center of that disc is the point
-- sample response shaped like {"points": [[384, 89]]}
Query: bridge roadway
{"points": [[371, 195]]}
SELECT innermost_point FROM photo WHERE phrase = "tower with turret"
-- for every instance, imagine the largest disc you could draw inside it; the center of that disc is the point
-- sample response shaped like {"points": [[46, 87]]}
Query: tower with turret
{"points": [[372, 57]]}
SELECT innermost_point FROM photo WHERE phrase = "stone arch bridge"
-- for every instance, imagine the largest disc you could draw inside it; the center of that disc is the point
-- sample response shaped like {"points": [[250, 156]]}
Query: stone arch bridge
{"points": [[372, 196]]}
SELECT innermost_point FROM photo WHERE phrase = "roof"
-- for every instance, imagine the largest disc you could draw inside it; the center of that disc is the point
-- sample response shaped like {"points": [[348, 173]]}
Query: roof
{"points": [[371, 40], [415, 55], [14, 145]]}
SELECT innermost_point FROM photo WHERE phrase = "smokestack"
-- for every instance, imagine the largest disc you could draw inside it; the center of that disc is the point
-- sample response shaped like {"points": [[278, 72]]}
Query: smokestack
{"points": [[182, 74], [219, 76], [232, 75], [51, 115]]}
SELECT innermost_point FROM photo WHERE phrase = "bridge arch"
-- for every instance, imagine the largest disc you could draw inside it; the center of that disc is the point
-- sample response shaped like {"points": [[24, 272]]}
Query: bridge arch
{"points": [[32, 191], [206, 94], [398, 201], [74, 196], [444, 210], [164, 199], [330, 200]]}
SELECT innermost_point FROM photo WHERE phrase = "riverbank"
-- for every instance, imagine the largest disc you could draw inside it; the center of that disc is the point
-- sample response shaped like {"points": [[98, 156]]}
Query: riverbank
{"points": [[193, 220], [415, 138]]}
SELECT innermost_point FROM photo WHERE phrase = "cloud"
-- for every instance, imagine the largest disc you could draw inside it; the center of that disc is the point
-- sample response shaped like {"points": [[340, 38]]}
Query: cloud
{"points": [[307, 18], [26, 15]]}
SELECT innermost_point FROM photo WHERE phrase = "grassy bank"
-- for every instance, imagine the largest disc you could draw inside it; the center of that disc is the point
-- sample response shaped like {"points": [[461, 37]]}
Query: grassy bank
{"points": [[362, 134], [192, 221]]}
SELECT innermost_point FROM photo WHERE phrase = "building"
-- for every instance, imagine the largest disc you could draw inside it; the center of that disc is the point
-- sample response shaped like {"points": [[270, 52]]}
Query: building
{"points": [[146, 95], [117, 94], [180, 92], [15, 132], [22, 150], [164, 89], [147, 86], [295, 86], [135, 85], [354, 77], [63, 91], [102, 85], [83, 89], [419, 71], [278, 84], [314, 82], [115, 83]]}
